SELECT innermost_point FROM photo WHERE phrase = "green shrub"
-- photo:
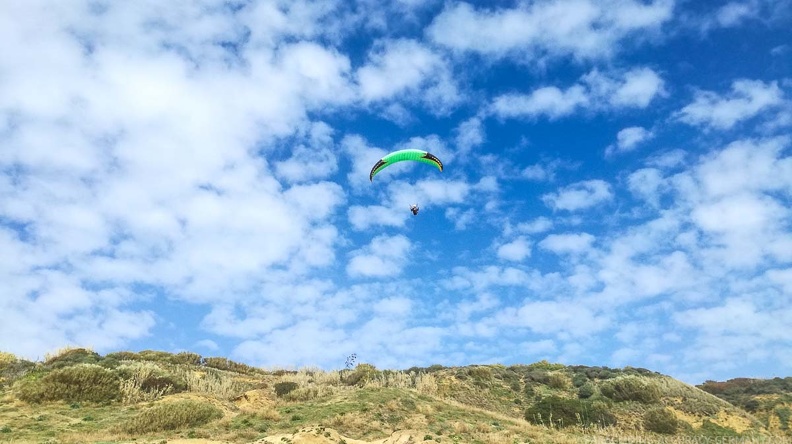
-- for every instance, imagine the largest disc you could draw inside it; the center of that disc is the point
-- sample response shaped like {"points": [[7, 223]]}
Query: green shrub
{"points": [[13, 368], [186, 358], [563, 412], [586, 391], [783, 413], [545, 365], [631, 388], [124, 356], [155, 356], [362, 374], [751, 405], [7, 359], [229, 365], [661, 420], [78, 383], [698, 407], [284, 388], [432, 368], [711, 429], [578, 379], [175, 415], [72, 356], [540, 376], [595, 372], [558, 381], [480, 373], [110, 363], [639, 371]]}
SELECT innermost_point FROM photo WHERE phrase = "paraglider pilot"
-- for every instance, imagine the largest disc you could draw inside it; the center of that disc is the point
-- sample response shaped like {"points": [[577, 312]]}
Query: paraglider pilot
{"points": [[414, 209]]}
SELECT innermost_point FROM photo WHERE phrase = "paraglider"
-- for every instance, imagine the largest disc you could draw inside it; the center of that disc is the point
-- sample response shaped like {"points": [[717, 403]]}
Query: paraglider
{"points": [[403, 155]]}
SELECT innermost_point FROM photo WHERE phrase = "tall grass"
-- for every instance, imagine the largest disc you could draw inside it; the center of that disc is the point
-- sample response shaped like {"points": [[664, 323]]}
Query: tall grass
{"points": [[216, 383], [137, 387], [174, 415]]}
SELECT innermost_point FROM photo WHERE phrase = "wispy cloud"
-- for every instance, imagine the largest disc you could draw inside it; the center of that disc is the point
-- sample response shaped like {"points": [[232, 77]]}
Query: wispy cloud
{"points": [[747, 99], [636, 88], [582, 29], [628, 139], [579, 195], [384, 256]]}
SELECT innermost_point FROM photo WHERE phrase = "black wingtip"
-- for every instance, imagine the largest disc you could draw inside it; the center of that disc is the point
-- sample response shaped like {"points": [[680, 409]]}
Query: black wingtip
{"points": [[434, 158]]}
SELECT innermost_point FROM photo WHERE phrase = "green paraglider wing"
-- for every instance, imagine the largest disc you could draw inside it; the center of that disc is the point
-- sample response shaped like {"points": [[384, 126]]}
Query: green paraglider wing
{"points": [[402, 155]]}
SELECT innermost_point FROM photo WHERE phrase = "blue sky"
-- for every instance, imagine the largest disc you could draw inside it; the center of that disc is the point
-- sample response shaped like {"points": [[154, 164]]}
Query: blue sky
{"points": [[194, 176]]}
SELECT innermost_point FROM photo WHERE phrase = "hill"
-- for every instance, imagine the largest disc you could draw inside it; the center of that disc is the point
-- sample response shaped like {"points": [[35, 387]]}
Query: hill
{"points": [[770, 400], [79, 396]]}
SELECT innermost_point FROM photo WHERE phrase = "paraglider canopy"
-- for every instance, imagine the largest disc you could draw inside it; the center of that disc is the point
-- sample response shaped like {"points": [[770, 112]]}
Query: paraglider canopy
{"points": [[402, 155]]}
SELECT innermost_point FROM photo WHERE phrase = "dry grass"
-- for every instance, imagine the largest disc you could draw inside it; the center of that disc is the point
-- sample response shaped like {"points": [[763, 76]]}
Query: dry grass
{"points": [[49, 357], [174, 415], [217, 383], [302, 394], [132, 391]]}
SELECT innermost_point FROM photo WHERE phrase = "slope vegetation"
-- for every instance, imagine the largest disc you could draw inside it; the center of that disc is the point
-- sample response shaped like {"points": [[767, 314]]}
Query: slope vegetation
{"points": [[80, 396]]}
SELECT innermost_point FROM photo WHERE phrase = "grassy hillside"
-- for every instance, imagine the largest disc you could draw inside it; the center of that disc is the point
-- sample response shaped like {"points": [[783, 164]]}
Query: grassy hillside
{"points": [[770, 400], [79, 396]]}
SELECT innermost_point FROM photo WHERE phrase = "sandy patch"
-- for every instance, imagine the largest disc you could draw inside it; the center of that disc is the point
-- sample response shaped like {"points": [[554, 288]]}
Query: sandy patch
{"points": [[322, 435]]}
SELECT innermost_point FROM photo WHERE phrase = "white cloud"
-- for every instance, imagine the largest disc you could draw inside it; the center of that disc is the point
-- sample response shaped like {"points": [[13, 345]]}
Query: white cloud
{"points": [[639, 88], [470, 134], [538, 225], [363, 218], [733, 13], [628, 138], [428, 192], [207, 344], [782, 278], [555, 317], [394, 67], [581, 28], [315, 161], [746, 165], [322, 76], [579, 195], [567, 243], [748, 98], [542, 171], [516, 250], [462, 219], [465, 278], [647, 184], [738, 12], [632, 89], [739, 316], [159, 178], [399, 67], [669, 159], [384, 256], [363, 157], [549, 101]]}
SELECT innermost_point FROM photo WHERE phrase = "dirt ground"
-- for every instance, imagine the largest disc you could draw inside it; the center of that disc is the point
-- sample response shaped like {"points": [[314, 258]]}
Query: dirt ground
{"points": [[317, 435]]}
